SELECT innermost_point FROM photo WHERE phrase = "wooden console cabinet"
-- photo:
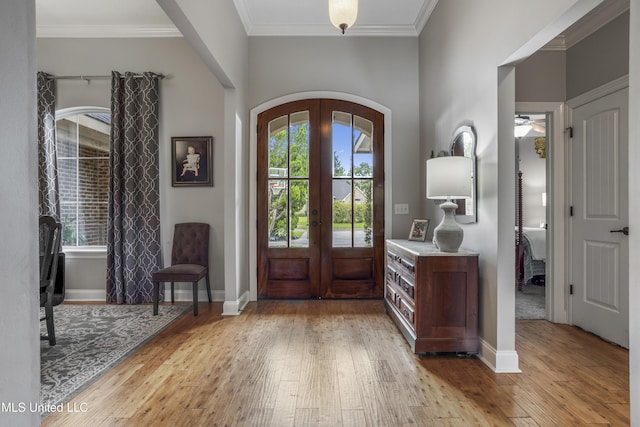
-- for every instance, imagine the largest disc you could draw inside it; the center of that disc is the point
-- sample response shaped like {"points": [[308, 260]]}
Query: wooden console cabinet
{"points": [[432, 296]]}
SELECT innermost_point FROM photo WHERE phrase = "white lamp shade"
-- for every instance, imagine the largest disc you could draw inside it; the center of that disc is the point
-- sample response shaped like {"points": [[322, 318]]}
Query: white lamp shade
{"points": [[343, 12], [449, 177]]}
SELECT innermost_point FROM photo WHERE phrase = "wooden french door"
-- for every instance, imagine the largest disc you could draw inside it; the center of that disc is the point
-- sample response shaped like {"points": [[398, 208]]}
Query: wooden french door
{"points": [[320, 200]]}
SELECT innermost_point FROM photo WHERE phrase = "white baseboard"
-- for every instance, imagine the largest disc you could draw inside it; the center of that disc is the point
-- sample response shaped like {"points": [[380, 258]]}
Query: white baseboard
{"points": [[85, 295], [186, 295], [500, 362], [181, 295], [234, 308]]}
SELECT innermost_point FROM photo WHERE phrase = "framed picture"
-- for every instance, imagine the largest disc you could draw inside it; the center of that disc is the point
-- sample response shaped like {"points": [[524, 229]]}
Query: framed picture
{"points": [[192, 161], [419, 230]]}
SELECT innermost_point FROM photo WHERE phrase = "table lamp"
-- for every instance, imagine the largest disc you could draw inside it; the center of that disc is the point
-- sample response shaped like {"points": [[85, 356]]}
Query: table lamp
{"points": [[449, 178]]}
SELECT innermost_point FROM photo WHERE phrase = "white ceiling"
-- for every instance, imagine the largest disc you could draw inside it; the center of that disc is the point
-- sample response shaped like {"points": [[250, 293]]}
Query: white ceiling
{"points": [[145, 18]]}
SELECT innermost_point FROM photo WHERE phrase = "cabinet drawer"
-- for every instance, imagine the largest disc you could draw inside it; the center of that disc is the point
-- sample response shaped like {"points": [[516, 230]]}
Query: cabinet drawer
{"points": [[406, 311], [401, 281], [391, 295], [405, 285], [402, 262]]}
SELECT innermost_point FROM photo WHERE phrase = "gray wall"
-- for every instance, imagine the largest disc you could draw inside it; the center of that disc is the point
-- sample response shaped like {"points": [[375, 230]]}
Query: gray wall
{"points": [[215, 31], [542, 77], [599, 58], [192, 104], [19, 305], [384, 70], [462, 48]]}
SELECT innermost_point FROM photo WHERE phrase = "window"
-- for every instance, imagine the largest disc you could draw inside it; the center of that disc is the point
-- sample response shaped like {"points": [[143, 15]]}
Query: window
{"points": [[83, 175]]}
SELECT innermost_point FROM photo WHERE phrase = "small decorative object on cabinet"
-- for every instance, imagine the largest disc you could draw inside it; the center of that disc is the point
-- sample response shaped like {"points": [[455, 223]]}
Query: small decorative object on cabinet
{"points": [[432, 296]]}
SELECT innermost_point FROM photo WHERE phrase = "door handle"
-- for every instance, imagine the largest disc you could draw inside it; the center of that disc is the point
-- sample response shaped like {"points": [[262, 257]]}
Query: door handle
{"points": [[623, 230], [315, 223]]}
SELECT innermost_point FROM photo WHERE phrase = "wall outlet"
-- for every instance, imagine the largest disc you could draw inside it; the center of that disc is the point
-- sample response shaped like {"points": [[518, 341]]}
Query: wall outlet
{"points": [[401, 209]]}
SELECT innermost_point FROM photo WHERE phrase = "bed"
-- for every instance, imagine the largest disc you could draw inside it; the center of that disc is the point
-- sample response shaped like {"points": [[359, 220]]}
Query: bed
{"points": [[532, 260]]}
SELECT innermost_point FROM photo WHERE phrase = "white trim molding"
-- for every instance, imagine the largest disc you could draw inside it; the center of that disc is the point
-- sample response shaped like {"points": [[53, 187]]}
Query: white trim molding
{"points": [[234, 308], [604, 90], [106, 31], [507, 360], [557, 219]]}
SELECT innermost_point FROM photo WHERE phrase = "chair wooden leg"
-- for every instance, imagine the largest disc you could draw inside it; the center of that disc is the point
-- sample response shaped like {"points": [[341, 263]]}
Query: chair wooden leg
{"points": [[195, 298], [51, 333], [172, 298], [156, 297], [208, 288]]}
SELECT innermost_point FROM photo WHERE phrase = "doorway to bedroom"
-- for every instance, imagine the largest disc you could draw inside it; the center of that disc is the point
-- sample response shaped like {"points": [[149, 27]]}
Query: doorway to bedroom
{"points": [[531, 138]]}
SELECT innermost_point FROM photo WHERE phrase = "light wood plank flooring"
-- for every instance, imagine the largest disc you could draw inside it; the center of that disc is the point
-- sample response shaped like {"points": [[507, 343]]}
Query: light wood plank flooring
{"points": [[344, 363]]}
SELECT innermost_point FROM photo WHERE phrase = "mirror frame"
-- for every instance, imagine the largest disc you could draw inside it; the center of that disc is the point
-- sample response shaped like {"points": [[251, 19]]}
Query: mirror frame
{"points": [[457, 149]]}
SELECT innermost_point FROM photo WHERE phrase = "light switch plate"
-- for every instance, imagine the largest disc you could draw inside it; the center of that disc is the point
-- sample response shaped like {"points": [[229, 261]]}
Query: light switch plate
{"points": [[401, 209]]}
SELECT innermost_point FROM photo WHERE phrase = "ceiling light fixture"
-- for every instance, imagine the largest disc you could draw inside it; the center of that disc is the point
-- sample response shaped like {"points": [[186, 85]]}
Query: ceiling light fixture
{"points": [[343, 13]]}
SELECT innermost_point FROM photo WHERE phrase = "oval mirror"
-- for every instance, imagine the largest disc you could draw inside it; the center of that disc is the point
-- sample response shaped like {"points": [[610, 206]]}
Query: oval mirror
{"points": [[463, 143]]}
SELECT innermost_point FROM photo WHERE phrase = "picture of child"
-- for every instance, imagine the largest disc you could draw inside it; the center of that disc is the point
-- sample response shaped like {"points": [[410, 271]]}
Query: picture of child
{"points": [[192, 158], [191, 162]]}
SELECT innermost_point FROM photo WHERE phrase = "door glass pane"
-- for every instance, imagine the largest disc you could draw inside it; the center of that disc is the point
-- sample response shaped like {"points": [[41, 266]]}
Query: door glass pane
{"points": [[277, 213], [278, 147], [299, 144], [299, 214], [352, 198], [363, 213], [342, 213], [362, 147], [342, 137], [288, 199]]}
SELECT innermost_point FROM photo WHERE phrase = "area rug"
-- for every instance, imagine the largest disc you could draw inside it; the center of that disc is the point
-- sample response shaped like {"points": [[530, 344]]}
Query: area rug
{"points": [[530, 302], [91, 339]]}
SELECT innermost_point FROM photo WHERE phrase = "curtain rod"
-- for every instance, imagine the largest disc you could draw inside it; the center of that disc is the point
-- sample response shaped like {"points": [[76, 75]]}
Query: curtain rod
{"points": [[88, 78]]}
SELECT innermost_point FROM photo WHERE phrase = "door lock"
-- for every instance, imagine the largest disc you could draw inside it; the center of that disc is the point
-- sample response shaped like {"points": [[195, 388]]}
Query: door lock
{"points": [[623, 230]]}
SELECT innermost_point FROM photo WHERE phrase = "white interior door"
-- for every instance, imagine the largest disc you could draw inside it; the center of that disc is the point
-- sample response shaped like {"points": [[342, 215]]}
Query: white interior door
{"points": [[600, 250]]}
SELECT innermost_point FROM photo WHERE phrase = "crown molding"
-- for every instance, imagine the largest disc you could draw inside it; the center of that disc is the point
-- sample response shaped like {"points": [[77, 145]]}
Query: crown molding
{"points": [[601, 16], [557, 44], [313, 30], [243, 12], [423, 16], [598, 18], [106, 31], [310, 30]]}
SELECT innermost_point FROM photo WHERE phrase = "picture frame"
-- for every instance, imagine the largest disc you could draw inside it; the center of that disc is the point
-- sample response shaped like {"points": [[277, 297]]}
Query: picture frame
{"points": [[191, 161], [419, 229]]}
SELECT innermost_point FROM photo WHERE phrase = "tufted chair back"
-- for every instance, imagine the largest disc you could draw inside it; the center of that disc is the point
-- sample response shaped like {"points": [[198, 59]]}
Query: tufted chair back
{"points": [[191, 244]]}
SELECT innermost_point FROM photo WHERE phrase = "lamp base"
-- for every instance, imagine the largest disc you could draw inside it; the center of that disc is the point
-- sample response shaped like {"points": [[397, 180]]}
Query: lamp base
{"points": [[448, 235]]}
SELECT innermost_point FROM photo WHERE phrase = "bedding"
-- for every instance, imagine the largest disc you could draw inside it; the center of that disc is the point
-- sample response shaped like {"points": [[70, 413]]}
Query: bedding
{"points": [[533, 264]]}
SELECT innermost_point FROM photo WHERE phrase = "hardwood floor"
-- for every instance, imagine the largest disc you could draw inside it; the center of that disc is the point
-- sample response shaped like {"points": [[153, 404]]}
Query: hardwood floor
{"points": [[344, 363]]}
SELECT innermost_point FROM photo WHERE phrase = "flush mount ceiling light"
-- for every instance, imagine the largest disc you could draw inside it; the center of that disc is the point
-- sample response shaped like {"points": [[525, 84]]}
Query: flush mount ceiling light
{"points": [[343, 13]]}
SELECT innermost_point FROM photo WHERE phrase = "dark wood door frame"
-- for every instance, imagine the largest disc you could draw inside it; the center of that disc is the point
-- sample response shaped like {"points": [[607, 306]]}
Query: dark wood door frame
{"points": [[321, 271]]}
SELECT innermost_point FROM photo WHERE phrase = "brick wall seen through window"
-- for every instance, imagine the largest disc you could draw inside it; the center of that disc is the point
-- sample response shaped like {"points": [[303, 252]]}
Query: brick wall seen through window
{"points": [[83, 173]]}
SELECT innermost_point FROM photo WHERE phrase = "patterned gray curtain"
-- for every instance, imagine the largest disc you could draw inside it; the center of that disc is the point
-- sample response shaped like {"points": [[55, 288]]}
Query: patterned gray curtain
{"points": [[48, 197], [133, 228]]}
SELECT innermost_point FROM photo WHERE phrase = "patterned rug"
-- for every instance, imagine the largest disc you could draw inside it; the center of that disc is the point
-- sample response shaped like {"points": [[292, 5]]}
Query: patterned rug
{"points": [[91, 339], [530, 302]]}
